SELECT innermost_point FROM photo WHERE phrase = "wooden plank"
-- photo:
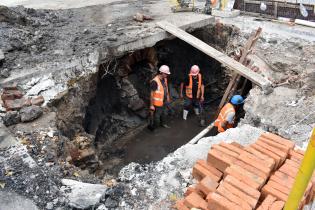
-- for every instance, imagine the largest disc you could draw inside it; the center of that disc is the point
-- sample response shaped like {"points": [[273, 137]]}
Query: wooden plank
{"points": [[236, 77], [219, 56]]}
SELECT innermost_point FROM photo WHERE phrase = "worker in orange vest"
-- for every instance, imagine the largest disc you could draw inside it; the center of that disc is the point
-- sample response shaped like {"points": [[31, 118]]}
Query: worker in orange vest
{"points": [[159, 96], [194, 91], [226, 117]]}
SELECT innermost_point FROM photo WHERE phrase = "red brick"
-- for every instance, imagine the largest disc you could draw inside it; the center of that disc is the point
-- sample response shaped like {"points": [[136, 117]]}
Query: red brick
{"points": [[261, 156], [289, 170], [282, 188], [275, 144], [268, 153], [237, 174], [251, 169], [269, 190], [195, 201], [278, 205], [218, 202], [225, 150], [200, 172], [219, 160], [296, 155], [39, 100], [250, 200], [283, 182], [259, 180], [180, 205], [279, 139], [232, 147], [16, 104], [12, 86], [301, 152], [288, 179], [11, 94], [276, 151], [242, 186], [259, 164], [207, 185], [233, 198], [210, 168], [292, 163], [267, 202], [237, 145]]}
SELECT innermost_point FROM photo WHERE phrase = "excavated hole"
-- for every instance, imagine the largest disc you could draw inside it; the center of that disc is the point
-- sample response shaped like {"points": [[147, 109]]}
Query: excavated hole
{"points": [[116, 115]]}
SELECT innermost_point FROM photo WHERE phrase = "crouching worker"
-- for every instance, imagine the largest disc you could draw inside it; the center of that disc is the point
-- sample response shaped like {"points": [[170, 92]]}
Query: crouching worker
{"points": [[227, 114], [194, 94], [159, 96]]}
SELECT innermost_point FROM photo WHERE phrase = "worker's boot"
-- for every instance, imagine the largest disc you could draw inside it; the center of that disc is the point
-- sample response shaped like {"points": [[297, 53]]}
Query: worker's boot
{"points": [[196, 111], [185, 113]]}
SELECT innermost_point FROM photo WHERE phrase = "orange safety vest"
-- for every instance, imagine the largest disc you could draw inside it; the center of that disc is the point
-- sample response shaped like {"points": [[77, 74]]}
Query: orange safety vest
{"points": [[228, 108], [158, 94], [189, 87]]}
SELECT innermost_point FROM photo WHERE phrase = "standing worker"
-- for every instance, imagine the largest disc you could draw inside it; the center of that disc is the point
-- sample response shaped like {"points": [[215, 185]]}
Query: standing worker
{"points": [[159, 96], [194, 91], [226, 117]]}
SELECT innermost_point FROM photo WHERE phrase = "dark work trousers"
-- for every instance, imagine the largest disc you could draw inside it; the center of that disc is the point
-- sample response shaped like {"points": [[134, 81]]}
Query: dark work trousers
{"points": [[160, 114], [190, 102]]}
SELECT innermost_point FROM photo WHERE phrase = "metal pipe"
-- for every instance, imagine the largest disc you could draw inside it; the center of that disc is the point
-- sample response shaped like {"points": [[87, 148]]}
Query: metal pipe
{"points": [[303, 176], [201, 134]]}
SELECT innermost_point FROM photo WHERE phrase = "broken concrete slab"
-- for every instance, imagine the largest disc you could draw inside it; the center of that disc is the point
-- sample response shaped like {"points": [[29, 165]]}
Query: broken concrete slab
{"points": [[84, 195], [11, 118], [6, 138], [30, 113], [1, 55], [11, 200], [225, 14]]}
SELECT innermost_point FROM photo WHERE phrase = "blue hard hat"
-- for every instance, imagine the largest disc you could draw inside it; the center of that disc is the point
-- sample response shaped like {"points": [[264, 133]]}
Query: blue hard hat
{"points": [[237, 99]]}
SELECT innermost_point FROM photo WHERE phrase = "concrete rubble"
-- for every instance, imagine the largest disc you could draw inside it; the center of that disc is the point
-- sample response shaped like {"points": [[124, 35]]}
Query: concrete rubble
{"points": [[73, 87]]}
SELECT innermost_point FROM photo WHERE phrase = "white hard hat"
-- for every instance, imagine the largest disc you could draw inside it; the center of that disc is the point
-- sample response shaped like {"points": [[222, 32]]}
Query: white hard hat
{"points": [[194, 70], [165, 69]]}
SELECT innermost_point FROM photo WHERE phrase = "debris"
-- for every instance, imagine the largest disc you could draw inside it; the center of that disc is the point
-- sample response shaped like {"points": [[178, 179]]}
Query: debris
{"points": [[83, 195], [30, 113], [141, 17], [39, 100], [11, 118], [112, 39], [1, 55], [16, 104], [2, 185]]}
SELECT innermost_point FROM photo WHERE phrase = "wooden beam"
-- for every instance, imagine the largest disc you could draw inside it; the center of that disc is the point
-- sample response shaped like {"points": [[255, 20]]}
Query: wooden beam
{"points": [[219, 56]]}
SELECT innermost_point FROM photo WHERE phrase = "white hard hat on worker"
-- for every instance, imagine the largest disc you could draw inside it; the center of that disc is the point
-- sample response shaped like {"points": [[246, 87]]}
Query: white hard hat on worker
{"points": [[165, 69], [194, 70]]}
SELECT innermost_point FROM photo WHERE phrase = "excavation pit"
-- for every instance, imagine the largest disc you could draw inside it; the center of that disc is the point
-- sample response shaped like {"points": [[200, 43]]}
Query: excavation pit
{"points": [[116, 116]]}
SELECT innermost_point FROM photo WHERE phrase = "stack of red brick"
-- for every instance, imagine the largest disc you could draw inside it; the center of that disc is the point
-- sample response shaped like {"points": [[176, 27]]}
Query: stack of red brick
{"points": [[259, 176], [13, 98]]}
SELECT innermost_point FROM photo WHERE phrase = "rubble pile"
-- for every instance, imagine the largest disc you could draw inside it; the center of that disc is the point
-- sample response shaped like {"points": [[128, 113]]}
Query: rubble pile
{"points": [[258, 176], [17, 107]]}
